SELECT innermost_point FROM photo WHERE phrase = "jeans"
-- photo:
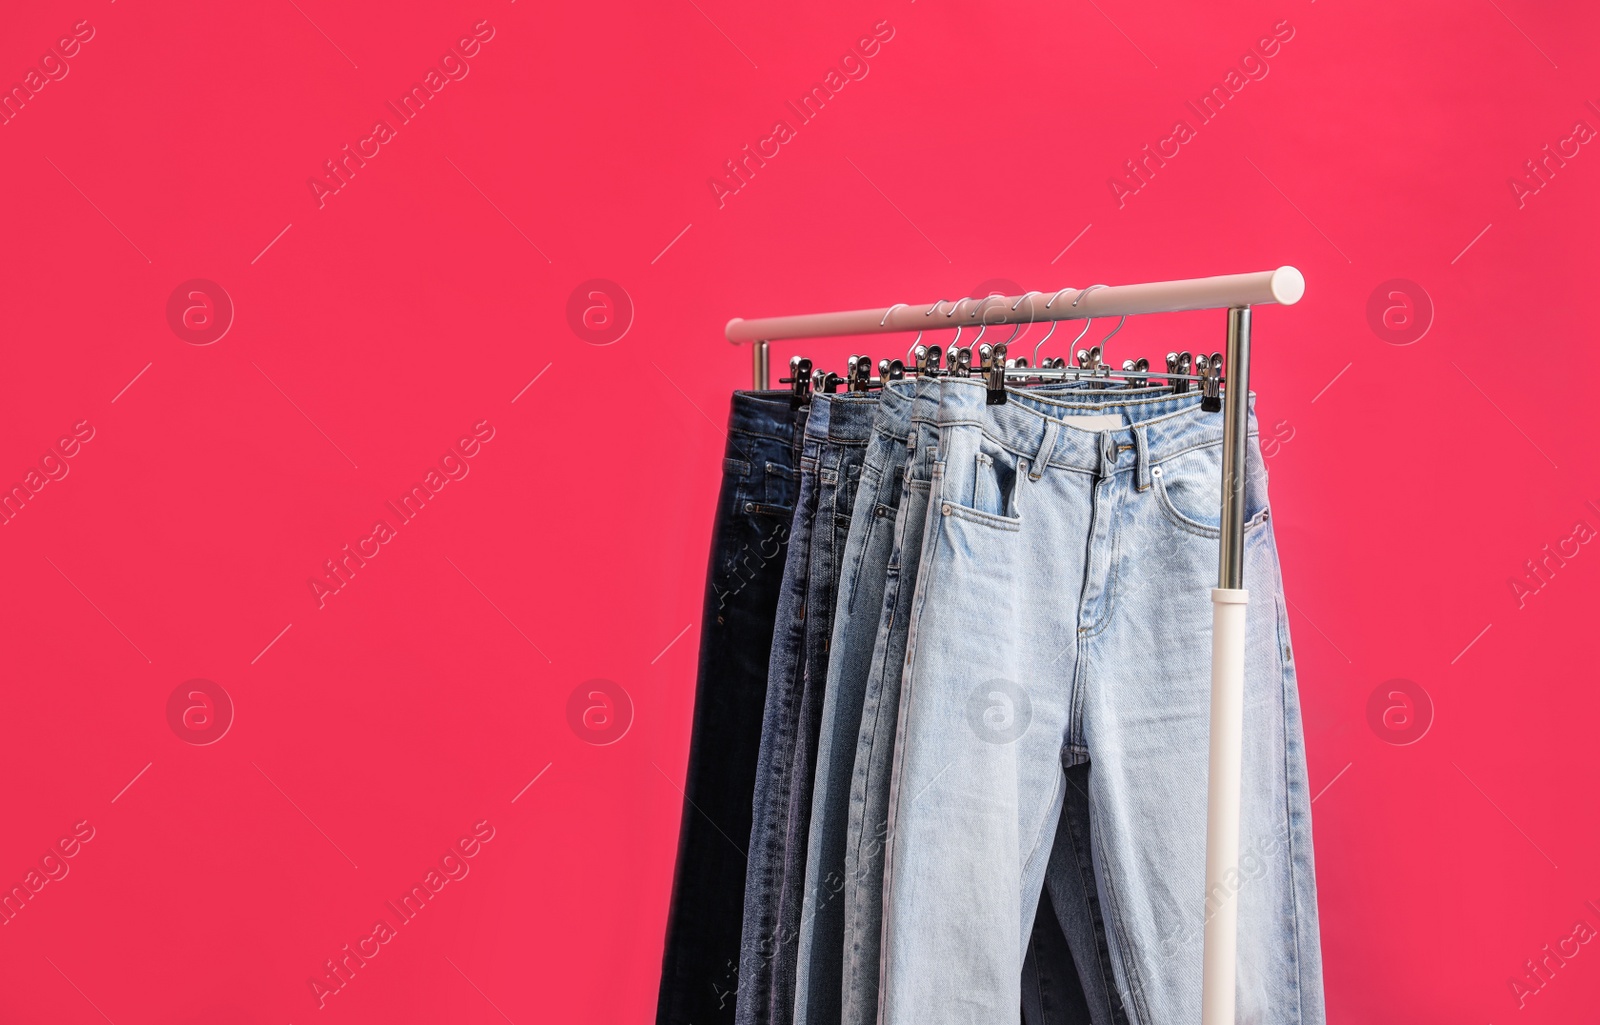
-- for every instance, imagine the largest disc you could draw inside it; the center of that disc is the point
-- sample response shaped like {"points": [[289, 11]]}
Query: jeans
{"points": [[760, 476], [836, 435], [1070, 982], [867, 822], [1062, 618], [818, 975]]}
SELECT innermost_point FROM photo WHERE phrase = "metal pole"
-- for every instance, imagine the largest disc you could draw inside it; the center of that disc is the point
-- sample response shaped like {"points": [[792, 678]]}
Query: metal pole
{"points": [[1284, 285], [1229, 600], [758, 357], [1235, 426]]}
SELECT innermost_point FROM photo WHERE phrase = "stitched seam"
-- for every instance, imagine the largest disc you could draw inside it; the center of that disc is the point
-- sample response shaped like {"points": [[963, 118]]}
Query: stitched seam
{"points": [[1288, 808], [908, 677], [1141, 1012], [1080, 845], [987, 519]]}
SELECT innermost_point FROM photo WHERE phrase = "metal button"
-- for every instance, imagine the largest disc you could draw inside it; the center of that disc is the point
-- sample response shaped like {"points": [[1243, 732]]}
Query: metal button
{"points": [[945, 508]]}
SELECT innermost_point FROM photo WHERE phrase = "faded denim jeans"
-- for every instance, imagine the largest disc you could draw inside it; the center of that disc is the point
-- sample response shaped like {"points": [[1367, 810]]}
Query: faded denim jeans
{"points": [[865, 561], [836, 433], [1062, 618]]}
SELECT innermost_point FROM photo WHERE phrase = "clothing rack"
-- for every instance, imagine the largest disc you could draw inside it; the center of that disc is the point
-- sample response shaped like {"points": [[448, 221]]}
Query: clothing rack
{"points": [[1236, 293]]}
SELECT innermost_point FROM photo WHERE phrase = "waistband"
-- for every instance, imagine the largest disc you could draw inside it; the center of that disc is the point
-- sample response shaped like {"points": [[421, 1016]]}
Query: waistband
{"points": [[767, 414], [841, 419], [925, 402], [893, 418], [925, 410], [1037, 427]]}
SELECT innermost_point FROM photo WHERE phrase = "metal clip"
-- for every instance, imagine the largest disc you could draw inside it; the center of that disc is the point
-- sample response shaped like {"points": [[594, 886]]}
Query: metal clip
{"points": [[1211, 387], [1185, 365], [961, 362], [799, 381], [1095, 366], [858, 373], [995, 372]]}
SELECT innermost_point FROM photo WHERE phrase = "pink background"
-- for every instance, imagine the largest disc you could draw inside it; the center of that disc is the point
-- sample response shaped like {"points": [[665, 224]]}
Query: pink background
{"points": [[1412, 483]]}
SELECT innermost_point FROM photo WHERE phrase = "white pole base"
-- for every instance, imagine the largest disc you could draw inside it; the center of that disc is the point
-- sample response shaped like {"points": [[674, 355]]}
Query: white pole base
{"points": [[1220, 953]]}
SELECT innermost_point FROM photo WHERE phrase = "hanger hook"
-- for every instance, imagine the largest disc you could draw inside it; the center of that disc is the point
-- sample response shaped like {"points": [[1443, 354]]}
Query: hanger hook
{"points": [[1085, 292], [983, 325], [1020, 325], [911, 352], [889, 313], [954, 307], [1040, 344]]}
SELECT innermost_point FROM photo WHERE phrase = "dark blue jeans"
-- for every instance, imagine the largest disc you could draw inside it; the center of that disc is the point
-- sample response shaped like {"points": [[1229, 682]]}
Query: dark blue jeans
{"points": [[750, 540], [836, 435], [1067, 977]]}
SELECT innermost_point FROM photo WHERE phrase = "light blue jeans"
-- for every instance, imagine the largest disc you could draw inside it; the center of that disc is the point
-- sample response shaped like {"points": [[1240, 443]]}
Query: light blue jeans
{"points": [[1062, 618], [867, 828]]}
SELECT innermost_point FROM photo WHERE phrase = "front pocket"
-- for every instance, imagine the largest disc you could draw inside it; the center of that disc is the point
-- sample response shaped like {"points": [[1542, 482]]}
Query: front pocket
{"points": [[1184, 507], [994, 483], [780, 485], [987, 519]]}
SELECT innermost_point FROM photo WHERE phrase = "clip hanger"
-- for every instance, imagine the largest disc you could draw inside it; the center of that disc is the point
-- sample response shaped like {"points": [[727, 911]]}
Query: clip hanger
{"points": [[994, 370], [858, 374], [799, 381], [1211, 387]]}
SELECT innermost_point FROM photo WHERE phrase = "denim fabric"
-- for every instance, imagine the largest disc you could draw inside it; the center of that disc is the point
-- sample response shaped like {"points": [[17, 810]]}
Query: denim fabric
{"points": [[1051, 992], [1062, 617], [1070, 982], [760, 476], [868, 820], [836, 435], [855, 629]]}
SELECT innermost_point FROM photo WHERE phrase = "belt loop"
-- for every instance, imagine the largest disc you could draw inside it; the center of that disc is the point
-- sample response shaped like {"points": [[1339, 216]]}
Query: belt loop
{"points": [[1047, 446], [1141, 453]]}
